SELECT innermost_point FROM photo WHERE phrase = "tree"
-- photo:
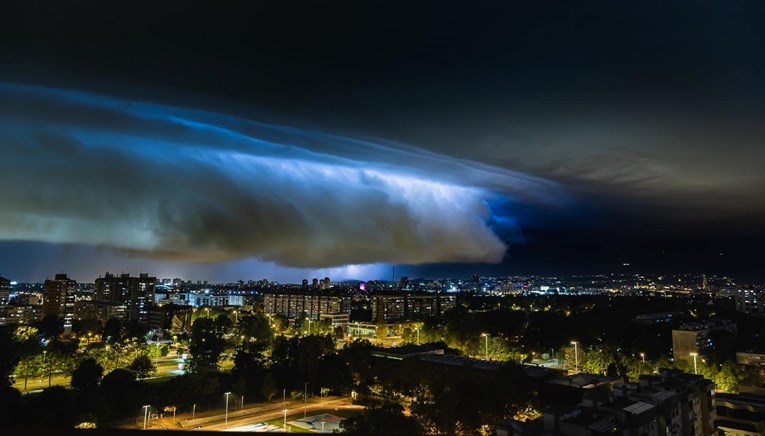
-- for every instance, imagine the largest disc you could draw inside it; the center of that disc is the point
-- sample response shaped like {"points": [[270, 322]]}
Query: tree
{"points": [[9, 357], [87, 375], [86, 326], [388, 419], [112, 331], [357, 354], [338, 333], [206, 346], [51, 326], [728, 378], [752, 376], [334, 373], [597, 361], [61, 356], [142, 366], [55, 407], [136, 330], [280, 322], [382, 331], [255, 328], [118, 382], [269, 387], [223, 324], [28, 347]]}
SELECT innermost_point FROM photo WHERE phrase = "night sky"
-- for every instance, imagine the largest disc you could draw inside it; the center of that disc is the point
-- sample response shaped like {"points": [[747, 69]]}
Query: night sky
{"points": [[288, 140]]}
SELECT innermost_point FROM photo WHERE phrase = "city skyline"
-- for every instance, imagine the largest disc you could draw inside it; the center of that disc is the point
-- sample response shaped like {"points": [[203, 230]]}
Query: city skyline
{"points": [[342, 140]]}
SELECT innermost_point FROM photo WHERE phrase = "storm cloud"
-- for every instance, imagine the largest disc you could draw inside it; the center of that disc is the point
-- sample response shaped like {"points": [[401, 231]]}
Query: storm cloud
{"points": [[180, 184]]}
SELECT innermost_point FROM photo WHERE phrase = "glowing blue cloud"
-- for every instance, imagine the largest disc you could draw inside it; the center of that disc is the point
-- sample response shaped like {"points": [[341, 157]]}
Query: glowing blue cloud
{"points": [[180, 184]]}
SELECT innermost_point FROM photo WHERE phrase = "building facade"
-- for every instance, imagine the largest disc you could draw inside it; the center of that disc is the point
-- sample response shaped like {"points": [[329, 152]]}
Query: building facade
{"points": [[698, 338], [58, 299], [136, 294], [294, 305], [410, 307]]}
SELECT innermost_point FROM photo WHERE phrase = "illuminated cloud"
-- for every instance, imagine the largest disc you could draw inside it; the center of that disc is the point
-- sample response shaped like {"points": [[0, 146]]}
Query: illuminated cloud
{"points": [[178, 184]]}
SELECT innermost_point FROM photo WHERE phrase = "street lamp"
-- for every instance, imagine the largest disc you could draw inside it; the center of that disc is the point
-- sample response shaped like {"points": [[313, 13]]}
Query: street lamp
{"points": [[309, 326], [642, 356], [208, 311], [486, 347], [285, 418], [227, 394], [695, 368], [145, 416], [305, 398], [576, 355], [47, 362]]}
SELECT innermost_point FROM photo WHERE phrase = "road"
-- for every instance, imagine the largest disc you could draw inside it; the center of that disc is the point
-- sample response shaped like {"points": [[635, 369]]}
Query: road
{"points": [[295, 411]]}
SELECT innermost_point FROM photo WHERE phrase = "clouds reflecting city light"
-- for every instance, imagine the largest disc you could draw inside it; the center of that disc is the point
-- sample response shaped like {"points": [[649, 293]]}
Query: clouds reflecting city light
{"points": [[175, 184]]}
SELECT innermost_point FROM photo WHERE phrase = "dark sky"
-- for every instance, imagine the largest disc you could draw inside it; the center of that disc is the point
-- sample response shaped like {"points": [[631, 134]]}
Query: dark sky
{"points": [[442, 137]]}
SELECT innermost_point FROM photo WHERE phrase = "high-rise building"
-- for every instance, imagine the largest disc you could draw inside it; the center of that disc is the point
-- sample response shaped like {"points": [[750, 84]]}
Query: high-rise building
{"points": [[410, 306], [293, 305], [5, 290], [750, 301], [388, 308], [58, 299], [324, 283], [135, 293]]}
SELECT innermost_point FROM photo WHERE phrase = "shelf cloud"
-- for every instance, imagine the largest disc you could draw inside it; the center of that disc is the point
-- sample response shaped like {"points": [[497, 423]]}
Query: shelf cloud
{"points": [[181, 184]]}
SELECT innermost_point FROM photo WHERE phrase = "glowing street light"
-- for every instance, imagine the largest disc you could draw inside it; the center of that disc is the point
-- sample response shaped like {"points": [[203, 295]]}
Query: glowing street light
{"points": [[486, 347], [145, 416], [47, 361], [227, 394], [305, 398], [695, 368], [576, 355], [642, 356]]}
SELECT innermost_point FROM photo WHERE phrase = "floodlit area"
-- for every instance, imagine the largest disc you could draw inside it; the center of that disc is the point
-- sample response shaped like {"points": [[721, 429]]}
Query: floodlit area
{"points": [[323, 423]]}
